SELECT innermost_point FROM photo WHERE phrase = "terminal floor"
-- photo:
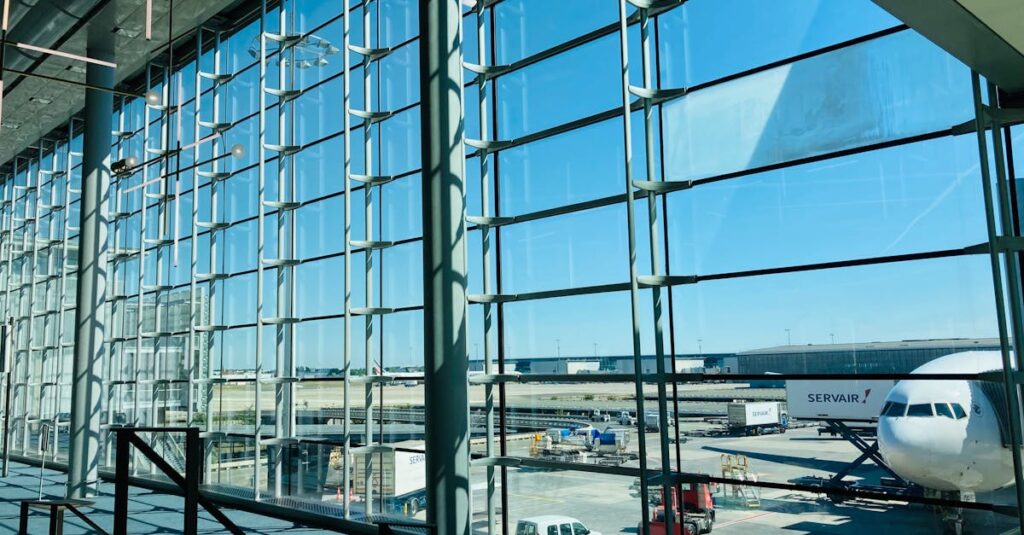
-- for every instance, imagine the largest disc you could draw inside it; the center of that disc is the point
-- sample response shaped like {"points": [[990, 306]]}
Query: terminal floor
{"points": [[149, 512]]}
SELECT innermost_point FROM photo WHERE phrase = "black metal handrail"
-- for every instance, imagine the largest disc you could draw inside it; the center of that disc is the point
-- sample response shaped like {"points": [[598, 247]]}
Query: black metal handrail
{"points": [[189, 484]]}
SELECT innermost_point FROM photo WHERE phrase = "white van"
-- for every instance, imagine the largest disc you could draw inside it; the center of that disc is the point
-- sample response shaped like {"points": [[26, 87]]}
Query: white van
{"points": [[552, 525]]}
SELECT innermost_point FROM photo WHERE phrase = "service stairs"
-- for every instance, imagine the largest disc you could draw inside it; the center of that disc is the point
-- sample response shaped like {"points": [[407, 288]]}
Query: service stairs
{"points": [[170, 450]]}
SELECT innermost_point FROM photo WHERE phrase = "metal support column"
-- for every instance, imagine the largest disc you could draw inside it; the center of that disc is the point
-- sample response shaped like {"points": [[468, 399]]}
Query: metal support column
{"points": [[446, 364], [347, 334], [369, 53], [205, 320], [30, 240], [649, 94], [24, 303], [33, 379], [83, 469], [484, 103], [998, 224], [283, 210], [633, 284], [260, 234], [119, 299]]}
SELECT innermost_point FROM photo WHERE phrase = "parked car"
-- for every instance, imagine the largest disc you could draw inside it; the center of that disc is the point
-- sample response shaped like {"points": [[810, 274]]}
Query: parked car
{"points": [[552, 525]]}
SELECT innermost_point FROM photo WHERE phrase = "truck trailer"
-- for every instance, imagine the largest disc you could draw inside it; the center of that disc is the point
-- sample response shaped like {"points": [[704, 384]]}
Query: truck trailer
{"points": [[757, 417], [398, 480]]}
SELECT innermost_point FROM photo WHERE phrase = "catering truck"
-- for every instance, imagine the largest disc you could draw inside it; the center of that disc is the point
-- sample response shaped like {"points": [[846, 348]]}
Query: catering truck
{"points": [[853, 400], [398, 481], [757, 417]]}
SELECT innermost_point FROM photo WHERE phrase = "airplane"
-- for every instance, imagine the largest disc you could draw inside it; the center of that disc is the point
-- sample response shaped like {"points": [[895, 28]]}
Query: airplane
{"points": [[946, 435]]}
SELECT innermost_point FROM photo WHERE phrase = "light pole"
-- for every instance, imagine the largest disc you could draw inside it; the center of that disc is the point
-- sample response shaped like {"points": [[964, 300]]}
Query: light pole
{"points": [[558, 347], [700, 348], [789, 339], [833, 335]]}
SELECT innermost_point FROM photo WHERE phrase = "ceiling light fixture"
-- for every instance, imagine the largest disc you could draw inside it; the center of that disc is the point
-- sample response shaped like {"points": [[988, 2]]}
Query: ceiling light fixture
{"points": [[125, 32], [149, 20], [62, 54], [124, 166], [41, 100], [3, 24]]}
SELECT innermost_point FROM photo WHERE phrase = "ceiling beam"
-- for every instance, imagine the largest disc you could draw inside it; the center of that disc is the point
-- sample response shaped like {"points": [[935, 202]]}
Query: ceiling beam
{"points": [[963, 35]]}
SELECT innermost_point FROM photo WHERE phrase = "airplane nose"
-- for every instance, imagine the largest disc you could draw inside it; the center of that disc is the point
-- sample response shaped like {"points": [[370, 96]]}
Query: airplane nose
{"points": [[906, 445]]}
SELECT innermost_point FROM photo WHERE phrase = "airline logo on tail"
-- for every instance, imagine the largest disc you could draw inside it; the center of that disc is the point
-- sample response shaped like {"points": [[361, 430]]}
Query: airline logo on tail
{"points": [[867, 393]]}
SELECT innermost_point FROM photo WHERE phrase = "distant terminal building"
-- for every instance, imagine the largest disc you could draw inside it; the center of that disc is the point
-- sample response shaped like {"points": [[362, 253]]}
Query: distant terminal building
{"points": [[572, 365], [868, 357]]}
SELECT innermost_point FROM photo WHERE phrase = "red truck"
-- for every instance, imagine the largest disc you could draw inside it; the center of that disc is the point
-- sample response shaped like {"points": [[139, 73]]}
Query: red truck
{"points": [[697, 516]]}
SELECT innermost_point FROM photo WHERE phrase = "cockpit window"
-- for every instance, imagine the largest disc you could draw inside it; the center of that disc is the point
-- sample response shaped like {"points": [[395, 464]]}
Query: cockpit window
{"points": [[920, 409], [959, 411], [894, 408], [942, 409]]}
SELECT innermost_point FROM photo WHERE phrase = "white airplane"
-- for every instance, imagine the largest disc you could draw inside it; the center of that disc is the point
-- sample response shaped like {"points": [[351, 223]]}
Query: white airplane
{"points": [[945, 435]]}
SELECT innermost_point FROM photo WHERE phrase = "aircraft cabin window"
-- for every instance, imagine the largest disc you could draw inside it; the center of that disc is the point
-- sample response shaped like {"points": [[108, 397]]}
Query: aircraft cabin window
{"points": [[894, 408], [942, 409], [920, 409], [958, 409]]}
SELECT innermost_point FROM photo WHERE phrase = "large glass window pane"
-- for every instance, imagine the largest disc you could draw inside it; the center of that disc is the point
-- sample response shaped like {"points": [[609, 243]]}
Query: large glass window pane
{"points": [[549, 93], [892, 87]]}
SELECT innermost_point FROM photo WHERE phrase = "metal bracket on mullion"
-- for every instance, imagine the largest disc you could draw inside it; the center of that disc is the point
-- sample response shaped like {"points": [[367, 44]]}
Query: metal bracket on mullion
{"points": [[655, 5]]}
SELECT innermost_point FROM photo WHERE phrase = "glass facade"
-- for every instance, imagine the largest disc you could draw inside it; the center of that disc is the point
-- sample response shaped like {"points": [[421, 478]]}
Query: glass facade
{"points": [[645, 187]]}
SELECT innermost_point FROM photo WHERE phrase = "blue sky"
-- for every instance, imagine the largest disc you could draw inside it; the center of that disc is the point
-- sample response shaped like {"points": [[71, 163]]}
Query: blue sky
{"points": [[914, 198]]}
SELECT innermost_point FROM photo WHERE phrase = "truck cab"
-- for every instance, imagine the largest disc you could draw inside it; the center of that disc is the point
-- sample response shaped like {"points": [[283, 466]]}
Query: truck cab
{"points": [[552, 525], [696, 516]]}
